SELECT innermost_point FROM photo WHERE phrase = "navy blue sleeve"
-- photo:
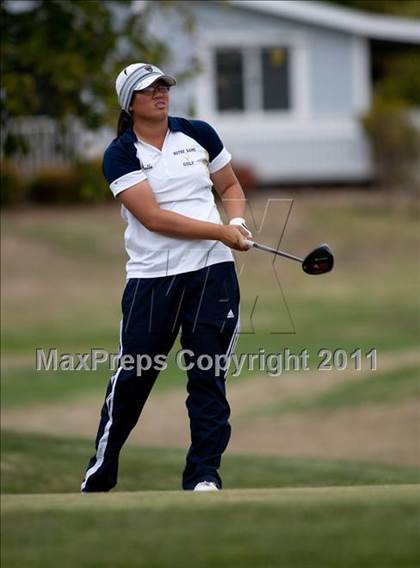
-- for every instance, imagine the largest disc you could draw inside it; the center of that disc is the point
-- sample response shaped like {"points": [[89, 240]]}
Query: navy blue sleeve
{"points": [[208, 138], [119, 160]]}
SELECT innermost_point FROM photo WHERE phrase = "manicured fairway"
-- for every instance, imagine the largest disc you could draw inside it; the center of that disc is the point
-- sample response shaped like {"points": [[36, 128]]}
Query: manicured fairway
{"points": [[302, 527], [47, 464]]}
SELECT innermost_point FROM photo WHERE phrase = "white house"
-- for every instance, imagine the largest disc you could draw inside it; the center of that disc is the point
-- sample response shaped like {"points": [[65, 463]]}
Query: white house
{"points": [[284, 82]]}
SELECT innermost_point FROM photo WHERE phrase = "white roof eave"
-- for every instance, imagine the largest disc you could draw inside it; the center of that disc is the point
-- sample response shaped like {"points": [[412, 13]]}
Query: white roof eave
{"points": [[388, 28]]}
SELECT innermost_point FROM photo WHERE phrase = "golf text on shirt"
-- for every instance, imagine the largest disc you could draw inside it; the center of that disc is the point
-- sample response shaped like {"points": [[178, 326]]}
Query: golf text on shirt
{"points": [[179, 176]]}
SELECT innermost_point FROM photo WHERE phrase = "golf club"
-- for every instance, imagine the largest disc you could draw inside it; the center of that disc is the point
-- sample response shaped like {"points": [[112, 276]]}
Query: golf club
{"points": [[318, 261]]}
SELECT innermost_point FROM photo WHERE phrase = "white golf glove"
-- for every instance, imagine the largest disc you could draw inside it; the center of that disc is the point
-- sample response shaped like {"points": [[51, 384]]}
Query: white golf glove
{"points": [[240, 222]]}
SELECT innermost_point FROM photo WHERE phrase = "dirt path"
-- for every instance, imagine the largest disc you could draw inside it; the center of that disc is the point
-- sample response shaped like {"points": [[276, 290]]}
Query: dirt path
{"points": [[388, 434], [382, 434]]}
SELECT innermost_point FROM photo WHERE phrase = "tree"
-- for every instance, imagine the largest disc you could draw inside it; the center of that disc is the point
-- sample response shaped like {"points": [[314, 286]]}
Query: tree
{"points": [[403, 8], [60, 57]]}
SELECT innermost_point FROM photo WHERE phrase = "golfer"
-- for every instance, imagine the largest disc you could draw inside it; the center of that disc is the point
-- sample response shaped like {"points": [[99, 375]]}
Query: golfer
{"points": [[180, 273]]}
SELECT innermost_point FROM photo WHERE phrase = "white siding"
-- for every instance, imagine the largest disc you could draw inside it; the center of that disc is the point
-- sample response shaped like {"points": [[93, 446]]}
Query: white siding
{"points": [[330, 73]]}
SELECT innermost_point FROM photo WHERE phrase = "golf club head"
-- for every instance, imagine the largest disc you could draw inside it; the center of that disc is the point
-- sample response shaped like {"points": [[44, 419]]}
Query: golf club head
{"points": [[318, 261]]}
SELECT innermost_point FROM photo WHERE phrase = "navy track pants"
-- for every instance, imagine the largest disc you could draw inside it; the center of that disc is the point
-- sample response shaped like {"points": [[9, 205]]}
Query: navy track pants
{"points": [[204, 305]]}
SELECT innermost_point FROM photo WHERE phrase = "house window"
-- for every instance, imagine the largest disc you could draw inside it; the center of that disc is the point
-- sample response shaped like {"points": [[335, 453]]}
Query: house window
{"points": [[275, 78], [255, 78], [230, 84]]}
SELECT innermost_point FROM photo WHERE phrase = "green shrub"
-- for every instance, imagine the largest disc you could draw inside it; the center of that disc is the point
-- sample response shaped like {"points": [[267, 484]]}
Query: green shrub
{"points": [[55, 184], [13, 188], [93, 188], [396, 145], [83, 182]]}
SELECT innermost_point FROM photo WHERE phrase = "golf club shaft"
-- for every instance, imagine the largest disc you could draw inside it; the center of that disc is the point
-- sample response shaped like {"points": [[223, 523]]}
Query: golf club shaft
{"points": [[275, 251]]}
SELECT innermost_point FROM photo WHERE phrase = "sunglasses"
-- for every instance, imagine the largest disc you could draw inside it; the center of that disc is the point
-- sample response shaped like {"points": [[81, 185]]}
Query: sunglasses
{"points": [[152, 90]]}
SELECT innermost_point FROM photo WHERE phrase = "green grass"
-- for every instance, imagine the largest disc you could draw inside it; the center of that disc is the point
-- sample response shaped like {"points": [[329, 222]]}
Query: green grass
{"points": [[391, 331], [373, 389], [360, 527], [46, 464], [23, 385], [26, 386], [72, 237], [369, 301]]}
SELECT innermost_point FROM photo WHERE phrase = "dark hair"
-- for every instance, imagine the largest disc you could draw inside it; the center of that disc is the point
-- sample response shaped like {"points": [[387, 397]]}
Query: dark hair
{"points": [[125, 122]]}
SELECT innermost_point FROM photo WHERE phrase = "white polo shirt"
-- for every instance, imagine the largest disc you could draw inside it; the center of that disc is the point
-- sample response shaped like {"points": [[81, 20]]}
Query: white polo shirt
{"points": [[179, 176]]}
